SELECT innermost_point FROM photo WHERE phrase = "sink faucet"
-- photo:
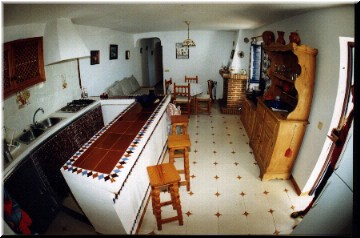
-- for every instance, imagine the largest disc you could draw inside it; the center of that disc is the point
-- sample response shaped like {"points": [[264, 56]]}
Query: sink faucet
{"points": [[39, 109]]}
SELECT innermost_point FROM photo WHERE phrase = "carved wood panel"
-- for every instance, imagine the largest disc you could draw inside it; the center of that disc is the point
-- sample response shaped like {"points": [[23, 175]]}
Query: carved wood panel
{"points": [[23, 64]]}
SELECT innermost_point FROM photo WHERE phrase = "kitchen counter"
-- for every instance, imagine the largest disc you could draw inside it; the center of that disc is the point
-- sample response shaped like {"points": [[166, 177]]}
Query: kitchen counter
{"points": [[107, 175], [25, 149]]}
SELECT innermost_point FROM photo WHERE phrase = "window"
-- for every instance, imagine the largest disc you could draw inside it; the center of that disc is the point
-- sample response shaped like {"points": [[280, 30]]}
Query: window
{"points": [[255, 62]]}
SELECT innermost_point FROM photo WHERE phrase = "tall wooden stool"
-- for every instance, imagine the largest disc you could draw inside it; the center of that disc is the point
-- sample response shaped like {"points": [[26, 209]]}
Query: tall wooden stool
{"points": [[165, 175], [179, 120], [180, 143]]}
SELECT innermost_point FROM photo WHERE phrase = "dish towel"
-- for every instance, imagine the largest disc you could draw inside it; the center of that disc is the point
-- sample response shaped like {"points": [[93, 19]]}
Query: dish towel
{"points": [[18, 220]]}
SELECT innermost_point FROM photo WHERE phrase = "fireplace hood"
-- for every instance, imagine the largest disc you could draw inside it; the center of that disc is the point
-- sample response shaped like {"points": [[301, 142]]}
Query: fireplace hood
{"points": [[62, 42]]}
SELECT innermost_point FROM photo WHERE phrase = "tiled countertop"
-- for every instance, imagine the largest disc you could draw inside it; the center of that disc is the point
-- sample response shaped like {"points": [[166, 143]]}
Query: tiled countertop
{"points": [[107, 175], [102, 152], [105, 152], [24, 150]]}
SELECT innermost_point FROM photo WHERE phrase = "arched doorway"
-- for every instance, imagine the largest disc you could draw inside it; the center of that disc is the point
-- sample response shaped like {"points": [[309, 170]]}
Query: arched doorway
{"points": [[152, 64]]}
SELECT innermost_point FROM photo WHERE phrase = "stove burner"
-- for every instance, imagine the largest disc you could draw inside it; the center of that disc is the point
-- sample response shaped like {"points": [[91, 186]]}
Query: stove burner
{"points": [[77, 105]]}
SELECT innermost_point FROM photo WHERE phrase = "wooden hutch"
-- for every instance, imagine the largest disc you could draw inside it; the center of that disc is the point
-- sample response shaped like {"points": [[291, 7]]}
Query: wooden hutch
{"points": [[276, 133]]}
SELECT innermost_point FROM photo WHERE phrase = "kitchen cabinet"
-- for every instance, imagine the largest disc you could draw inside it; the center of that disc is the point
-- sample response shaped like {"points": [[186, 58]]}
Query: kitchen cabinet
{"points": [[30, 189], [37, 183], [277, 133], [23, 64], [57, 150], [257, 130], [275, 142], [247, 116], [86, 126]]}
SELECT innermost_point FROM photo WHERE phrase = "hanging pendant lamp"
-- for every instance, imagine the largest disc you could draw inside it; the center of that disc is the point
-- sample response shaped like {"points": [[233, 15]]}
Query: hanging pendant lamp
{"points": [[188, 42]]}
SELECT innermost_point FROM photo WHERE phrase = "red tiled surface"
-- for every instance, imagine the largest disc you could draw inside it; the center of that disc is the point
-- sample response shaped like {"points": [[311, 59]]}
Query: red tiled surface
{"points": [[103, 155], [109, 161], [123, 142]]}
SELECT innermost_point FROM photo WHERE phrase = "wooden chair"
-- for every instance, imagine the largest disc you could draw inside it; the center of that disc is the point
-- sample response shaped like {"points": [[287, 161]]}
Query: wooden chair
{"points": [[191, 79], [204, 98], [167, 88], [194, 80], [210, 89], [182, 98], [165, 175]]}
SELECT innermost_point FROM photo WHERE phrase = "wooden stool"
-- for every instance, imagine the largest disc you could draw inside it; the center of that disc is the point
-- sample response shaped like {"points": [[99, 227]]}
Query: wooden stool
{"points": [[165, 175], [179, 120], [180, 143]]}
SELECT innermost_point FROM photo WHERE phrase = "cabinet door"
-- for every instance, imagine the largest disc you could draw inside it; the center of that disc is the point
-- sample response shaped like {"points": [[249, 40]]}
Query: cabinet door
{"points": [[251, 122], [87, 126], [25, 64], [258, 127], [255, 138], [51, 156], [6, 68], [96, 121], [33, 195], [244, 115], [265, 147]]}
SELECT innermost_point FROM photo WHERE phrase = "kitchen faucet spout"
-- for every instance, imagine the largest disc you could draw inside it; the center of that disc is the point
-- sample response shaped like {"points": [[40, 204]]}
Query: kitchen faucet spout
{"points": [[39, 109]]}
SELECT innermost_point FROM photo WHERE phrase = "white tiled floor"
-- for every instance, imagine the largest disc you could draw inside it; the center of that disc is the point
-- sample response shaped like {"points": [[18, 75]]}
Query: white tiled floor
{"points": [[227, 196]]}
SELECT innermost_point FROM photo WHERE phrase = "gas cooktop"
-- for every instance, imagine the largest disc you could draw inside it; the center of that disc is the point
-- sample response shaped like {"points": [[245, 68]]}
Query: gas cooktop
{"points": [[77, 105]]}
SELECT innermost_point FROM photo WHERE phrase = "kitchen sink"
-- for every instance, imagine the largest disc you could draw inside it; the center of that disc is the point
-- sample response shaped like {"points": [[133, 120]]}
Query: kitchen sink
{"points": [[29, 135], [36, 130], [50, 122]]}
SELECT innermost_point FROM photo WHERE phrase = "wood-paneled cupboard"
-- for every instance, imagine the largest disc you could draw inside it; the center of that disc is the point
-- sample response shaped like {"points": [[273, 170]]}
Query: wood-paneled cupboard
{"points": [[277, 129]]}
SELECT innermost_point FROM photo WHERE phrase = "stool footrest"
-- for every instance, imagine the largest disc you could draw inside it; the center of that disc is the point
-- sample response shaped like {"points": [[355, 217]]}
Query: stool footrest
{"points": [[184, 183], [166, 203], [178, 155], [170, 219]]}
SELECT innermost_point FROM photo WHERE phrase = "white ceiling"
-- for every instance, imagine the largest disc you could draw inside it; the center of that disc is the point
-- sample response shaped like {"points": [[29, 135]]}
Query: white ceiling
{"points": [[160, 16]]}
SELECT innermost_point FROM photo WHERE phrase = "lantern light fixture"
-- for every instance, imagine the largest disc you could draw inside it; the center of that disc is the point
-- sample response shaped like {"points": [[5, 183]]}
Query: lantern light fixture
{"points": [[188, 42]]}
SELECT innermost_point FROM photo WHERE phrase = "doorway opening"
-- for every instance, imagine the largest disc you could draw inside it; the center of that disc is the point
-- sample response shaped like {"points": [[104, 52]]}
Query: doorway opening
{"points": [[152, 64]]}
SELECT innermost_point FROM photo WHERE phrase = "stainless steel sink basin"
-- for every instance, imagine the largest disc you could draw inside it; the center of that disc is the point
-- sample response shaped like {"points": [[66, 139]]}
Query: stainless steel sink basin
{"points": [[50, 121], [29, 135], [36, 130]]}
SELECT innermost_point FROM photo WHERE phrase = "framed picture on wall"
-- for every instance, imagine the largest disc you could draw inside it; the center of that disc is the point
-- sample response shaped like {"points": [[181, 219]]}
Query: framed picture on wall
{"points": [[94, 57], [113, 52], [181, 51]]}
